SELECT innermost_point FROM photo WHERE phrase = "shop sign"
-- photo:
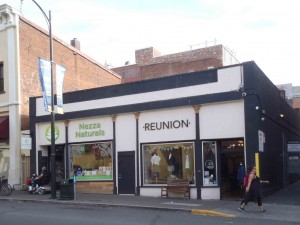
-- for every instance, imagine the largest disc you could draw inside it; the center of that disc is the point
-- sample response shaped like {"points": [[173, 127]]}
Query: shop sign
{"points": [[209, 164], [293, 146], [43, 133], [164, 125], [89, 130], [26, 143], [48, 133], [167, 125], [261, 140]]}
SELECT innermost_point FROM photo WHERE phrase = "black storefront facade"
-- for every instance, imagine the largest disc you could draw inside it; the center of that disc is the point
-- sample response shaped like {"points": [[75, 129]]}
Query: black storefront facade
{"points": [[131, 138]]}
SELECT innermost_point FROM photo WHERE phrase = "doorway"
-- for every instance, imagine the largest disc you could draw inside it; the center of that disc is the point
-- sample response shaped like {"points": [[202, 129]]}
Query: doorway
{"points": [[59, 163], [232, 155], [126, 172]]}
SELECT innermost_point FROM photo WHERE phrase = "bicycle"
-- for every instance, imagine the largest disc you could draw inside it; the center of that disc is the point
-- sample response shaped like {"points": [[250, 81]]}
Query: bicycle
{"points": [[5, 188]]}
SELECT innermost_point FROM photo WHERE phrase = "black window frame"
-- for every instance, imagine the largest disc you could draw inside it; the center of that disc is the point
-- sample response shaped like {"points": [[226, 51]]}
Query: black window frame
{"points": [[1, 77]]}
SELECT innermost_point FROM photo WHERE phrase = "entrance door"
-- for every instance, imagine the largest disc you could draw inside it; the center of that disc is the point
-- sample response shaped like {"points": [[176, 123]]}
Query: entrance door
{"points": [[232, 154], [59, 163], [126, 173]]}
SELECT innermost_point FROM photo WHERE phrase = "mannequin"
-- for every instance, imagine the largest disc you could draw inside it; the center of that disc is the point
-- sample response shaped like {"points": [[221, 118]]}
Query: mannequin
{"points": [[155, 162], [171, 163]]}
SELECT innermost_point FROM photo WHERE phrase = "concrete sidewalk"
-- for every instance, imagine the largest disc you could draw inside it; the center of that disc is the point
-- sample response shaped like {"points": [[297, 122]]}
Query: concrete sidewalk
{"points": [[282, 206]]}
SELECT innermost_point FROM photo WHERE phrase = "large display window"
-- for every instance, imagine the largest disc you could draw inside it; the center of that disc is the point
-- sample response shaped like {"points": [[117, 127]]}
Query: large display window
{"points": [[168, 161], [92, 161], [209, 156]]}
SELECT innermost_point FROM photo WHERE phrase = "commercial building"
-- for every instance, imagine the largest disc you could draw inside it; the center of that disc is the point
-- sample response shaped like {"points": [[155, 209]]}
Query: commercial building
{"points": [[22, 42], [292, 95], [131, 138]]}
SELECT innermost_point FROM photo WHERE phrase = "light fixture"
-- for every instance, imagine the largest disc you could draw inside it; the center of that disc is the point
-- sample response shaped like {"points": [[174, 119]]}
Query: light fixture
{"points": [[257, 107], [281, 115], [263, 119]]}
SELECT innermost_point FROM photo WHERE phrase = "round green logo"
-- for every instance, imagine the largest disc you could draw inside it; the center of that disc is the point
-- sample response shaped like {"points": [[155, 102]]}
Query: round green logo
{"points": [[48, 133]]}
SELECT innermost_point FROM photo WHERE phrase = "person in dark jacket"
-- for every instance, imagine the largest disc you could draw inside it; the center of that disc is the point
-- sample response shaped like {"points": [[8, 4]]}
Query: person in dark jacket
{"points": [[41, 179], [240, 175]]}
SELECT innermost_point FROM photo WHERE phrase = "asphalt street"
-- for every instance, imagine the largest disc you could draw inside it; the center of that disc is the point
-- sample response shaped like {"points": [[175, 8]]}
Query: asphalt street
{"points": [[282, 206]]}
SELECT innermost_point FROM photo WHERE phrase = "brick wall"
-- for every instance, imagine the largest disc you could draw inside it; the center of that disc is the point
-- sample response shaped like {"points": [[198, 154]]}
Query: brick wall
{"points": [[296, 103], [143, 56], [151, 64], [168, 69], [81, 71]]}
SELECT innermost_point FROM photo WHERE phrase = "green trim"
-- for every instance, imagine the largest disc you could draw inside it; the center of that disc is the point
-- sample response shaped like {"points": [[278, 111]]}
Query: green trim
{"points": [[92, 178]]}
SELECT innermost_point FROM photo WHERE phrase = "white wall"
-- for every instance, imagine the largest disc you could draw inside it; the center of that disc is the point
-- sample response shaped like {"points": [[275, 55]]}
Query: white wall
{"points": [[229, 79], [125, 132], [224, 120], [210, 193]]}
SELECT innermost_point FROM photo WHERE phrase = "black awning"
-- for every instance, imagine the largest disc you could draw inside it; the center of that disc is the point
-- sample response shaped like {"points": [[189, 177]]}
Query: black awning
{"points": [[4, 127]]}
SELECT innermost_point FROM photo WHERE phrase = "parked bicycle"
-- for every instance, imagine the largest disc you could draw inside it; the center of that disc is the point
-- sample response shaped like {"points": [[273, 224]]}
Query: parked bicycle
{"points": [[5, 188]]}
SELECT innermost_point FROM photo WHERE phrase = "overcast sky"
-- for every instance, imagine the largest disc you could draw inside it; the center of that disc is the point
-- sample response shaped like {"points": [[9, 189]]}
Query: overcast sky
{"points": [[267, 32]]}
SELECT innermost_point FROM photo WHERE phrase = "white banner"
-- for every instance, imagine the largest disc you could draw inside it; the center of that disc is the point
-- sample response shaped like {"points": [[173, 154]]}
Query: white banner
{"points": [[45, 79], [60, 73]]}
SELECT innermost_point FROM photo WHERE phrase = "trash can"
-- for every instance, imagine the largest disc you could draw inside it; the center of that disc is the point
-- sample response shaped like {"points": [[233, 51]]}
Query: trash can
{"points": [[67, 190]]}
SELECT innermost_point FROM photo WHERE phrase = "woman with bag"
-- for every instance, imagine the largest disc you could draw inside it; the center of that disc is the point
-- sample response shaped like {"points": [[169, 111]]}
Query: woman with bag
{"points": [[253, 191]]}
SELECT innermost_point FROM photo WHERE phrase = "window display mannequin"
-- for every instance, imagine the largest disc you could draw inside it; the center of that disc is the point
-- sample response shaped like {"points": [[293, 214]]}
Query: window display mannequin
{"points": [[155, 162], [171, 164], [187, 160]]}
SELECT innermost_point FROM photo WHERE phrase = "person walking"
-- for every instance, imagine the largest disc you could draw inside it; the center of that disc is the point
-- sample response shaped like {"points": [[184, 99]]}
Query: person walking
{"points": [[240, 178], [240, 175], [253, 191]]}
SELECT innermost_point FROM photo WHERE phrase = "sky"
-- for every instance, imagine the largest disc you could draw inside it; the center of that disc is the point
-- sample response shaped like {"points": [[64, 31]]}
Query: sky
{"points": [[109, 31]]}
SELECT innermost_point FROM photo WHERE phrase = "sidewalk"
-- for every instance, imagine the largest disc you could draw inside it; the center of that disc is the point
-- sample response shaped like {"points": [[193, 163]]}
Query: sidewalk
{"points": [[282, 206]]}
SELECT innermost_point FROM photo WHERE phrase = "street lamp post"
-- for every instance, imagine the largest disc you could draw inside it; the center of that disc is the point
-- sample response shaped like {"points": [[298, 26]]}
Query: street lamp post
{"points": [[53, 154]]}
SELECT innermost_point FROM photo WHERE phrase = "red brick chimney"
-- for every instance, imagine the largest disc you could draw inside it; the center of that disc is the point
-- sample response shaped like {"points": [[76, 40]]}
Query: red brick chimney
{"points": [[75, 43]]}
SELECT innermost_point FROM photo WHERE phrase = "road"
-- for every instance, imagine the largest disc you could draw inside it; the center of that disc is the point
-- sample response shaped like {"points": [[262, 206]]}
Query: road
{"points": [[28, 213]]}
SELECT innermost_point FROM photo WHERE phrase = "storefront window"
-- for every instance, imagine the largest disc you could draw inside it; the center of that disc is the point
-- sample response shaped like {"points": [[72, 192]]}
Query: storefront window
{"points": [[209, 156], [92, 161], [168, 161]]}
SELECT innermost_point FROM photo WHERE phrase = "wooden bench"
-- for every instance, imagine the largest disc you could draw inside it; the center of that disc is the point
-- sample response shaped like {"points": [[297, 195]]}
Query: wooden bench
{"points": [[176, 186]]}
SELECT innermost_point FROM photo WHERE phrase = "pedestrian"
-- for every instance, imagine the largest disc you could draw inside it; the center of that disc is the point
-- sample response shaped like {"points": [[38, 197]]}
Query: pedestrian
{"points": [[240, 175], [253, 191]]}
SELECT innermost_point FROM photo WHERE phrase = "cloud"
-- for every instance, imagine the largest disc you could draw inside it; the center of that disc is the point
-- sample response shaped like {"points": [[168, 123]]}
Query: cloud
{"points": [[111, 31]]}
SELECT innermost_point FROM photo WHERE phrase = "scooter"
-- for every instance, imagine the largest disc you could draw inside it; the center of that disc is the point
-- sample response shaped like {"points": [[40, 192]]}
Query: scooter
{"points": [[43, 189]]}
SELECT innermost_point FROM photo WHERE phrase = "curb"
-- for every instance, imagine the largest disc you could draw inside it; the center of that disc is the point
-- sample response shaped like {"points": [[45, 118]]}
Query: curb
{"points": [[72, 202], [211, 213]]}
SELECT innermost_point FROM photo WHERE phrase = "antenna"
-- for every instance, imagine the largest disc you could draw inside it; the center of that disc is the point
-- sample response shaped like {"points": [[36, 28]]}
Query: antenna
{"points": [[21, 4]]}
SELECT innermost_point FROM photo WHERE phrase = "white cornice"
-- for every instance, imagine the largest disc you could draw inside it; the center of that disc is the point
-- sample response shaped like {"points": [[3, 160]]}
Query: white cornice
{"points": [[8, 17]]}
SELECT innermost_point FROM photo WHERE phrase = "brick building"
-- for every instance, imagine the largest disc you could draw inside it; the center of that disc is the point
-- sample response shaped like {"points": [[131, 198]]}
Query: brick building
{"points": [[291, 94], [21, 43], [151, 64]]}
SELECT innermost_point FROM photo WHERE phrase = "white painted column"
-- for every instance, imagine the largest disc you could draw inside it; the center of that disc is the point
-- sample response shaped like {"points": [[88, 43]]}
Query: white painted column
{"points": [[13, 70]]}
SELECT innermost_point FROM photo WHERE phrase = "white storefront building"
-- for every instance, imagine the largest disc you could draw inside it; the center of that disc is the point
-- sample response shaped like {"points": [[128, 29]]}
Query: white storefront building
{"points": [[131, 138]]}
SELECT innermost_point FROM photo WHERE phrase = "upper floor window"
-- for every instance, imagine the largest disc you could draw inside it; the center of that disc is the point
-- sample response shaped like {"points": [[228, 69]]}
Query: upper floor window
{"points": [[1, 78]]}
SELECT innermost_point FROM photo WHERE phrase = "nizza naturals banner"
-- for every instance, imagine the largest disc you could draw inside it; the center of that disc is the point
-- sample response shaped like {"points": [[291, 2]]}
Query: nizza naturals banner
{"points": [[45, 79]]}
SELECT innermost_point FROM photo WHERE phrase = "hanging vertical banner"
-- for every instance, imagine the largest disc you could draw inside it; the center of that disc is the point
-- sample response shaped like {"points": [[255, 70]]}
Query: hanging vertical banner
{"points": [[45, 79], [60, 73], [261, 140]]}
